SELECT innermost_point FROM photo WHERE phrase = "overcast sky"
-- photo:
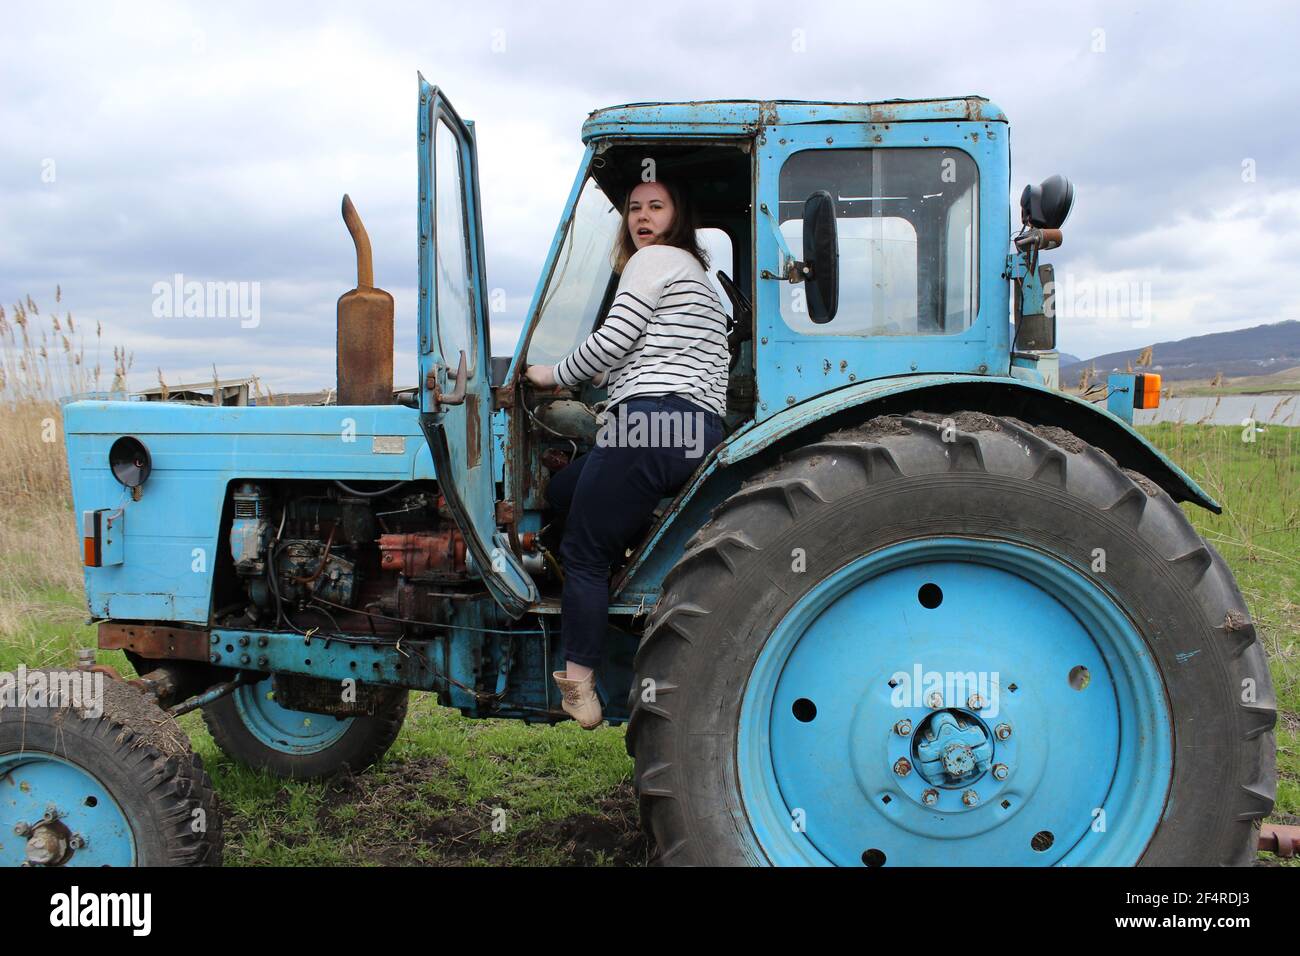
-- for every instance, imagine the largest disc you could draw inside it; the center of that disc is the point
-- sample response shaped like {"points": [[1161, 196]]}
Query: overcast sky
{"points": [[144, 140]]}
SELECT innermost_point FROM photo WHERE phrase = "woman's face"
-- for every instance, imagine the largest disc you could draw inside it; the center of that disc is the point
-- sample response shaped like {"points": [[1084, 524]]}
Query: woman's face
{"points": [[649, 214]]}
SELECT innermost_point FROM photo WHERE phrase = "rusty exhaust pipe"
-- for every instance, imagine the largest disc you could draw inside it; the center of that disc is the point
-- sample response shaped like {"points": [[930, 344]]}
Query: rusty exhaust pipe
{"points": [[364, 348]]}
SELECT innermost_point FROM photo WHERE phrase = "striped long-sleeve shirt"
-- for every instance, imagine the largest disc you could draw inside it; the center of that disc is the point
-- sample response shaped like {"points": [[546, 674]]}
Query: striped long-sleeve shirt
{"points": [[665, 333]]}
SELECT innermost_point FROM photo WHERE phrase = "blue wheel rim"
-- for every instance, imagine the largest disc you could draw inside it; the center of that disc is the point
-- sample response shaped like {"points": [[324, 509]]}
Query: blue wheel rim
{"points": [[32, 784], [823, 724], [282, 729]]}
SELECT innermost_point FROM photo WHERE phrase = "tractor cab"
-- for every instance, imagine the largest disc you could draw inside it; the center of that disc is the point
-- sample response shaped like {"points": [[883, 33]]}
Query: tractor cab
{"points": [[848, 243]]}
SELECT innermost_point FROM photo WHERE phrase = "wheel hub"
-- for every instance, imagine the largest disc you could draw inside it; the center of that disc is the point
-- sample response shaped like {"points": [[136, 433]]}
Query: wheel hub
{"points": [[67, 816], [952, 747], [48, 844], [958, 769]]}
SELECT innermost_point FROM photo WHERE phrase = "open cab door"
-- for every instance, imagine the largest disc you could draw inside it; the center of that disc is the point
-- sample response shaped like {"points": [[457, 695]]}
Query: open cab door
{"points": [[455, 376]]}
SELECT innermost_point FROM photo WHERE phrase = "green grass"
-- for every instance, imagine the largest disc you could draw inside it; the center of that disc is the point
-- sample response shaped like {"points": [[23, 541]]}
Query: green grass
{"points": [[1258, 534], [566, 793], [451, 791]]}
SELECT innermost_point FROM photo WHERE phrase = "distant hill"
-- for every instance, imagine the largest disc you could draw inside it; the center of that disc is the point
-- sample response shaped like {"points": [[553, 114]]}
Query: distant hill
{"points": [[1261, 350], [1066, 358]]}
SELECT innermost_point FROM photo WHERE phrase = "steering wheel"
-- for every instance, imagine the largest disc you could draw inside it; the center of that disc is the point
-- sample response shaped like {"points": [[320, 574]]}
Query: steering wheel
{"points": [[739, 303], [742, 319]]}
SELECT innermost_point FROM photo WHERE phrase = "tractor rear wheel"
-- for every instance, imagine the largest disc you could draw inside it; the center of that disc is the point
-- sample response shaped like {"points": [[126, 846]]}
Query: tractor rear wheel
{"points": [[251, 728], [99, 782], [961, 639]]}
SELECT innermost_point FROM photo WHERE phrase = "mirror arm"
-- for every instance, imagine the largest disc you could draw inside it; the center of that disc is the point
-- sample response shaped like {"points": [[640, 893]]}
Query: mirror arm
{"points": [[1039, 240], [790, 269]]}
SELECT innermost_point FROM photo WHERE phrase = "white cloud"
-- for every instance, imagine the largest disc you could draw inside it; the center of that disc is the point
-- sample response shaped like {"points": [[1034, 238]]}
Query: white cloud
{"points": [[1208, 271]]}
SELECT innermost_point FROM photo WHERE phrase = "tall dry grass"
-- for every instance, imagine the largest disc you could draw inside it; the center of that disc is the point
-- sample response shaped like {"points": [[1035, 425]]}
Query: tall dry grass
{"points": [[44, 357]]}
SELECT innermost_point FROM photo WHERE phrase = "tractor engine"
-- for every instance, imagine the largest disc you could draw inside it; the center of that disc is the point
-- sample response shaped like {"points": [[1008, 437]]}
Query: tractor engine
{"points": [[341, 559]]}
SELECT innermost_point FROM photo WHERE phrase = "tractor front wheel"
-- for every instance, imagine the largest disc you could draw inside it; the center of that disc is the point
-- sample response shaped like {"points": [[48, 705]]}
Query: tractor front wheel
{"points": [[93, 773], [951, 640]]}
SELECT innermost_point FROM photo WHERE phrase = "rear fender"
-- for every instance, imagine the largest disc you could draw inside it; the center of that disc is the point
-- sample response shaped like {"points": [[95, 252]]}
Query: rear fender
{"points": [[757, 446]]}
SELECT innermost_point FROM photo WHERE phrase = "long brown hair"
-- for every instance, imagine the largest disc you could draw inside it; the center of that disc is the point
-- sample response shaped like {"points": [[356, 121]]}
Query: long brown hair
{"points": [[682, 232]]}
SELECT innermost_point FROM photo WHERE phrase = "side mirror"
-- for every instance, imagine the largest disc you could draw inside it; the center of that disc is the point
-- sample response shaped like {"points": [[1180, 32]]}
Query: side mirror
{"points": [[821, 252], [1047, 205]]}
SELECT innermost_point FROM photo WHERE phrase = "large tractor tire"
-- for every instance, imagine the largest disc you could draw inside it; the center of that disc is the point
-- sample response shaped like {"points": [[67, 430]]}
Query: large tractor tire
{"points": [[954, 640], [108, 782], [252, 729]]}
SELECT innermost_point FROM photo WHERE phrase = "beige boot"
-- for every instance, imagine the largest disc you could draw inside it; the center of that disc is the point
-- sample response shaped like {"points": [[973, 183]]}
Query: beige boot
{"points": [[580, 700]]}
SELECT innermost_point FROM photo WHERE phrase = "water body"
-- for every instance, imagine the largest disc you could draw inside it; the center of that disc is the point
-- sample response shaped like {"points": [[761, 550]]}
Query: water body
{"points": [[1225, 410]]}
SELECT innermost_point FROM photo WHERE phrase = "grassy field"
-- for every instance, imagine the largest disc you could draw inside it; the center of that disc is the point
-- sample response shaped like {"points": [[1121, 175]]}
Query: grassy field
{"points": [[566, 794]]}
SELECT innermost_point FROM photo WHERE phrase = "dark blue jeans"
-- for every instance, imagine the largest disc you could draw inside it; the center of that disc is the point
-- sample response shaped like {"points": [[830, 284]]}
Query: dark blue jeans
{"points": [[608, 496]]}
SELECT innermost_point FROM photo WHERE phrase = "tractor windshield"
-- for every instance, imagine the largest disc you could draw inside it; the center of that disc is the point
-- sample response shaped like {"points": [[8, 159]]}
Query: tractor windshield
{"points": [[908, 222], [584, 272], [580, 278]]}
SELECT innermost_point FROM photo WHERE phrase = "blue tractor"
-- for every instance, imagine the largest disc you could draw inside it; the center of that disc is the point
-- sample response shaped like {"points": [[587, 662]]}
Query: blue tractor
{"points": [[919, 607]]}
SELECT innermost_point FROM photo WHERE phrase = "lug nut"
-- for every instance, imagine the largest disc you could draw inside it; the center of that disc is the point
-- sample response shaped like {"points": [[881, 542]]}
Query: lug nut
{"points": [[1000, 771], [935, 700], [77, 842], [262, 642], [243, 641], [930, 797], [51, 813], [215, 658], [903, 727], [976, 702], [22, 829], [902, 766], [244, 659], [216, 639], [1002, 731], [970, 798], [262, 661]]}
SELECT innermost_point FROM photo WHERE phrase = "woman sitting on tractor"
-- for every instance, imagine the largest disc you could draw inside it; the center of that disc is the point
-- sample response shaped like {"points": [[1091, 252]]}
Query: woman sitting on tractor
{"points": [[662, 354]]}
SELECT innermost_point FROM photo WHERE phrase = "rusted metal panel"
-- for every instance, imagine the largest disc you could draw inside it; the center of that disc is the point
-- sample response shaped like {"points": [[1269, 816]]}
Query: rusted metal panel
{"points": [[416, 554], [473, 431], [155, 642], [1279, 839]]}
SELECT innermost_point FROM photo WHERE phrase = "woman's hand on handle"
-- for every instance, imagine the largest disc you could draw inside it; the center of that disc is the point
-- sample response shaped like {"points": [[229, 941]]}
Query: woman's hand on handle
{"points": [[543, 376]]}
